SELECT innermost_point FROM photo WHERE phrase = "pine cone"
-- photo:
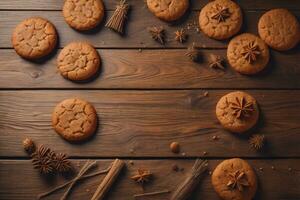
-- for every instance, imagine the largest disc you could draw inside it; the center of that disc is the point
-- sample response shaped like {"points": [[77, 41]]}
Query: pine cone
{"points": [[29, 145], [61, 163], [41, 161]]}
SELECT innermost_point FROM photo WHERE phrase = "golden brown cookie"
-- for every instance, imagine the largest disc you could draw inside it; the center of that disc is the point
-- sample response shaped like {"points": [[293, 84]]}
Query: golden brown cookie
{"points": [[168, 10], [78, 61], [234, 179], [34, 38], [237, 112], [221, 19], [280, 29], [83, 14], [74, 119], [247, 54]]}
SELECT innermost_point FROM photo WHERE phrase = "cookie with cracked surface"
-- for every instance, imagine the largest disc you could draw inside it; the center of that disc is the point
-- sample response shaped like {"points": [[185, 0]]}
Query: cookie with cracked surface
{"points": [[248, 54], [34, 38], [237, 112], [220, 19], [78, 61], [83, 15], [168, 10], [74, 119], [234, 179], [280, 29]]}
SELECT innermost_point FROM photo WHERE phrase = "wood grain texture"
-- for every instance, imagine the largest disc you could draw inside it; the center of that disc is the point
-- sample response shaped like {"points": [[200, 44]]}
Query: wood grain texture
{"points": [[144, 123], [110, 4], [278, 184], [150, 69], [136, 34]]}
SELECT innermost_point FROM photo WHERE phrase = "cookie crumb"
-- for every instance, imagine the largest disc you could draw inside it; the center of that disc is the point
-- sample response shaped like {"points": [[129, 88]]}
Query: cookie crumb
{"points": [[205, 94], [175, 168], [273, 168], [131, 150], [215, 137], [183, 154], [131, 162], [204, 153], [290, 169], [261, 169], [87, 190]]}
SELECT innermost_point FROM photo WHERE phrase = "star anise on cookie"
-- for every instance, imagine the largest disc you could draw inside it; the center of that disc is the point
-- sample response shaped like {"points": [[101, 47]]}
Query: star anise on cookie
{"points": [[251, 51], [180, 36], [221, 13], [216, 62], [241, 108], [142, 176], [157, 33], [237, 180]]}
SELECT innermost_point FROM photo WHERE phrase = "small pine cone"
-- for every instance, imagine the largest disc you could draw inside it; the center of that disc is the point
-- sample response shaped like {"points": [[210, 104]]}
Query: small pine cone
{"points": [[29, 145], [61, 163], [41, 161]]}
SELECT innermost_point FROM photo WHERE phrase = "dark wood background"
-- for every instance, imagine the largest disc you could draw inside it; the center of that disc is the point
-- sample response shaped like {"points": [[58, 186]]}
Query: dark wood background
{"points": [[146, 96]]}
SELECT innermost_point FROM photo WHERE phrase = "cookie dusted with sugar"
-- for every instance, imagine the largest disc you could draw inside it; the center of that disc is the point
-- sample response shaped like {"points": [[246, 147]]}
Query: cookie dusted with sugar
{"points": [[221, 19], [34, 38], [280, 29], [83, 14], [168, 10], [74, 119], [78, 61], [237, 112]]}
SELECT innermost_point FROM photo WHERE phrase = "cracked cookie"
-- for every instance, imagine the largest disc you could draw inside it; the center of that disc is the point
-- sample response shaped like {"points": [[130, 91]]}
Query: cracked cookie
{"points": [[168, 10], [248, 54], [34, 38], [221, 19], [237, 112], [280, 29], [74, 119], [234, 179], [83, 15], [78, 61]]}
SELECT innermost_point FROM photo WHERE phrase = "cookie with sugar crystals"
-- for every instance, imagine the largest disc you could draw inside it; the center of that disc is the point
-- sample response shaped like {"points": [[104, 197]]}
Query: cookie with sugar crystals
{"points": [[168, 10], [220, 19], [234, 179], [280, 29], [237, 111], [34, 38], [84, 14], [74, 119]]}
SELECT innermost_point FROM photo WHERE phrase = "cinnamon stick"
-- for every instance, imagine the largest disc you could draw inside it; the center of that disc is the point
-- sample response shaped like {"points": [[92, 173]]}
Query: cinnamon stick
{"points": [[109, 179], [188, 185]]}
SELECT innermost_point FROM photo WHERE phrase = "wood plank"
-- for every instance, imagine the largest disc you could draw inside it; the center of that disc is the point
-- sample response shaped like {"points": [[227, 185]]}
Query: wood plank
{"points": [[139, 123], [273, 184], [136, 4], [137, 35], [150, 69]]}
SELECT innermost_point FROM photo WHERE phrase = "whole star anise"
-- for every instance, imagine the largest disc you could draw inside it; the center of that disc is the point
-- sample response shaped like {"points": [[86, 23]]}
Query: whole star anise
{"points": [[157, 34], [216, 62], [257, 141], [41, 161], [61, 163], [180, 36], [241, 108], [251, 51], [142, 176], [237, 180], [221, 13]]}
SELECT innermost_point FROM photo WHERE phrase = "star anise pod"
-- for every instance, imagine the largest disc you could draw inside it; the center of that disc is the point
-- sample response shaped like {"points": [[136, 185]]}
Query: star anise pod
{"points": [[216, 62], [237, 180], [251, 52], [257, 141], [241, 108], [157, 34], [221, 13], [193, 53], [41, 161], [180, 36], [142, 176], [61, 163]]}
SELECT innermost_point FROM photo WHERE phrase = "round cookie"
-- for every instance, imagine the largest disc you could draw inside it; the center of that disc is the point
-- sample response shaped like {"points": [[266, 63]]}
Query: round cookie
{"points": [[74, 119], [78, 61], [168, 10], [237, 112], [84, 14], [220, 19], [34, 38], [234, 179], [247, 54], [280, 29]]}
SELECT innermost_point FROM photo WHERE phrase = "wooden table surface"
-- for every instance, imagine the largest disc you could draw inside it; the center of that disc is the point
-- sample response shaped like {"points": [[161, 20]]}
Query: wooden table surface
{"points": [[146, 96]]}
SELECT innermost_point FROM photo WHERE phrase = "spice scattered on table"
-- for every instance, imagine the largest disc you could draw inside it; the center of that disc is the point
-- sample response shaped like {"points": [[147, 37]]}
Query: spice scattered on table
{"points": [[180, 36], [193, 53], [29, 145], [175, 147], [41, 160], [157, 33], [216, 62], [142, 176], [257, 141]]}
